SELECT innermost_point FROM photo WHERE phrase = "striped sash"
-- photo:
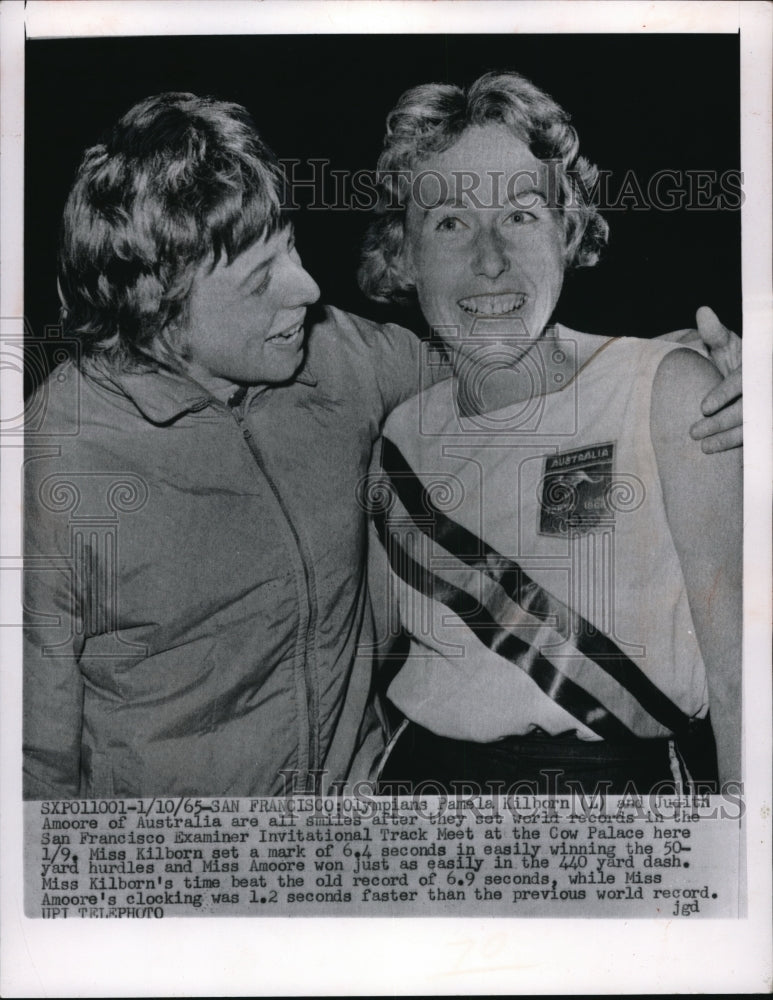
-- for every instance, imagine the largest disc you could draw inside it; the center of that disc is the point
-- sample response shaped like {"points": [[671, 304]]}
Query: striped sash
{"points": [[578, 667]]}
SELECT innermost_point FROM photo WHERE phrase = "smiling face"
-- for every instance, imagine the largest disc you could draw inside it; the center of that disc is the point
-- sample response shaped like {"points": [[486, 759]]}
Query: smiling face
{"points": [[244, 319], [483, 247]]}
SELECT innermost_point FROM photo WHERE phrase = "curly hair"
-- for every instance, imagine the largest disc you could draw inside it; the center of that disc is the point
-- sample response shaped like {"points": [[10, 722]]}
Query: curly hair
{"points": [[178, 178], [429, 119]]}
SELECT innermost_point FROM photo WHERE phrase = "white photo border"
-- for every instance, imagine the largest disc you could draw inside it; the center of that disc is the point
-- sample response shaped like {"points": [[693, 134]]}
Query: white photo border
{"points": [[346, 956]]}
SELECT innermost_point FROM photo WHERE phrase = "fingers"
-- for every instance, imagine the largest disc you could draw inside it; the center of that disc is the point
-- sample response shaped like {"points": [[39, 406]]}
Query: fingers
{"points": [[723, 442], [713, 333], [728, 390], [722, 426], [724, 346], [722, 431]]}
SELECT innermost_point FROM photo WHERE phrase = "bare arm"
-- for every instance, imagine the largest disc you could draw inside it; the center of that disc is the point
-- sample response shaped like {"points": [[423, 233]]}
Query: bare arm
{"points": [[703, 500], [721, 427]]}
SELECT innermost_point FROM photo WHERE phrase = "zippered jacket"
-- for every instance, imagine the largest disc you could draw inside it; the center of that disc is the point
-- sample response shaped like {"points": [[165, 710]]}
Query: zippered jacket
{"points": [[195, 574]]}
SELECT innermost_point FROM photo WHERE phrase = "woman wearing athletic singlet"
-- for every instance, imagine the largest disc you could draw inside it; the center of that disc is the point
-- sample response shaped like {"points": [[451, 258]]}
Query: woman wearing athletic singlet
{"points": [[571, 620]]}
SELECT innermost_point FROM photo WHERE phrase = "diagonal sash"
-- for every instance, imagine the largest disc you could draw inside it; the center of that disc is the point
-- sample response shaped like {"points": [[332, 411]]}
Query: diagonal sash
{"points": [[530, 596], [561, 689]]}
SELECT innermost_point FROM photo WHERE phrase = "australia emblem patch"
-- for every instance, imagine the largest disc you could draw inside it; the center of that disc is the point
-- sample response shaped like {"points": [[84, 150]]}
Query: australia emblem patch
{"points": [[574, 492]]}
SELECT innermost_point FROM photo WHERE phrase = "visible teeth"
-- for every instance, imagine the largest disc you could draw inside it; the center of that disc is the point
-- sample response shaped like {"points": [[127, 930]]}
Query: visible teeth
{"points": [[289, 335], [492, 305]]}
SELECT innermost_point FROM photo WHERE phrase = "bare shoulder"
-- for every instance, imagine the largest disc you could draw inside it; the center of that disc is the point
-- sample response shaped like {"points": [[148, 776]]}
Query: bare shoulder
{"points": [[692, 481], [682, 379], [687, 369]]}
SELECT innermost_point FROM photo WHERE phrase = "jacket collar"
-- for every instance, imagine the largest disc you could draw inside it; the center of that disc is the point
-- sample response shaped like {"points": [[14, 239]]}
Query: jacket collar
{"points": [[163, 396]]}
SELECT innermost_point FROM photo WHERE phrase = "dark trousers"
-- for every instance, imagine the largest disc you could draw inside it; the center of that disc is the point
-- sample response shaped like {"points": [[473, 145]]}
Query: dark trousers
{"points": [[541, 765]]}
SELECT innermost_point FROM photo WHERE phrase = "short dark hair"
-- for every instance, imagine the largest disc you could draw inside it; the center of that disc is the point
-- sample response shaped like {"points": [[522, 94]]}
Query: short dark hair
{"points": [[429, 119], [178, 178]]}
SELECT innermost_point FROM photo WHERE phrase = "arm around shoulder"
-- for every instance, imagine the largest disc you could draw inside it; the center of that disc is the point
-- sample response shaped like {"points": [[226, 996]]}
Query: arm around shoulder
{"points": [[399, 365], [704, 506]]}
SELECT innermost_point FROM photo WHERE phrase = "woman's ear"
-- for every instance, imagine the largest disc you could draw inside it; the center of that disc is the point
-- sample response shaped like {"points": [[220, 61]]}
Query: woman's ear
{"points": [[571, 240]]}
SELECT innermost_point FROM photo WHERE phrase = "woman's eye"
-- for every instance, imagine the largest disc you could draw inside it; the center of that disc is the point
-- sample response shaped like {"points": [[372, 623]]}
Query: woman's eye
{"points": [[449, 224], [520, 217], [263, 285]]}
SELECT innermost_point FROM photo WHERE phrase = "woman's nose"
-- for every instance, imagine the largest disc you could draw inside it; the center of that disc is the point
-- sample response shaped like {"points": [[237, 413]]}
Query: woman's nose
{"points": [[304, 287], [491, 257]]}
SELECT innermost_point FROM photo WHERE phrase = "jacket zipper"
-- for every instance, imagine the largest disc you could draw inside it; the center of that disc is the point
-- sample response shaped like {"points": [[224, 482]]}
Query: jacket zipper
{"points": [[312, 710]]}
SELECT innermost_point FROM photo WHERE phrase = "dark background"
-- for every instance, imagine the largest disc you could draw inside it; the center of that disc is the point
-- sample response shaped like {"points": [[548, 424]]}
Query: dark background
{"points": [[642, 103]]}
